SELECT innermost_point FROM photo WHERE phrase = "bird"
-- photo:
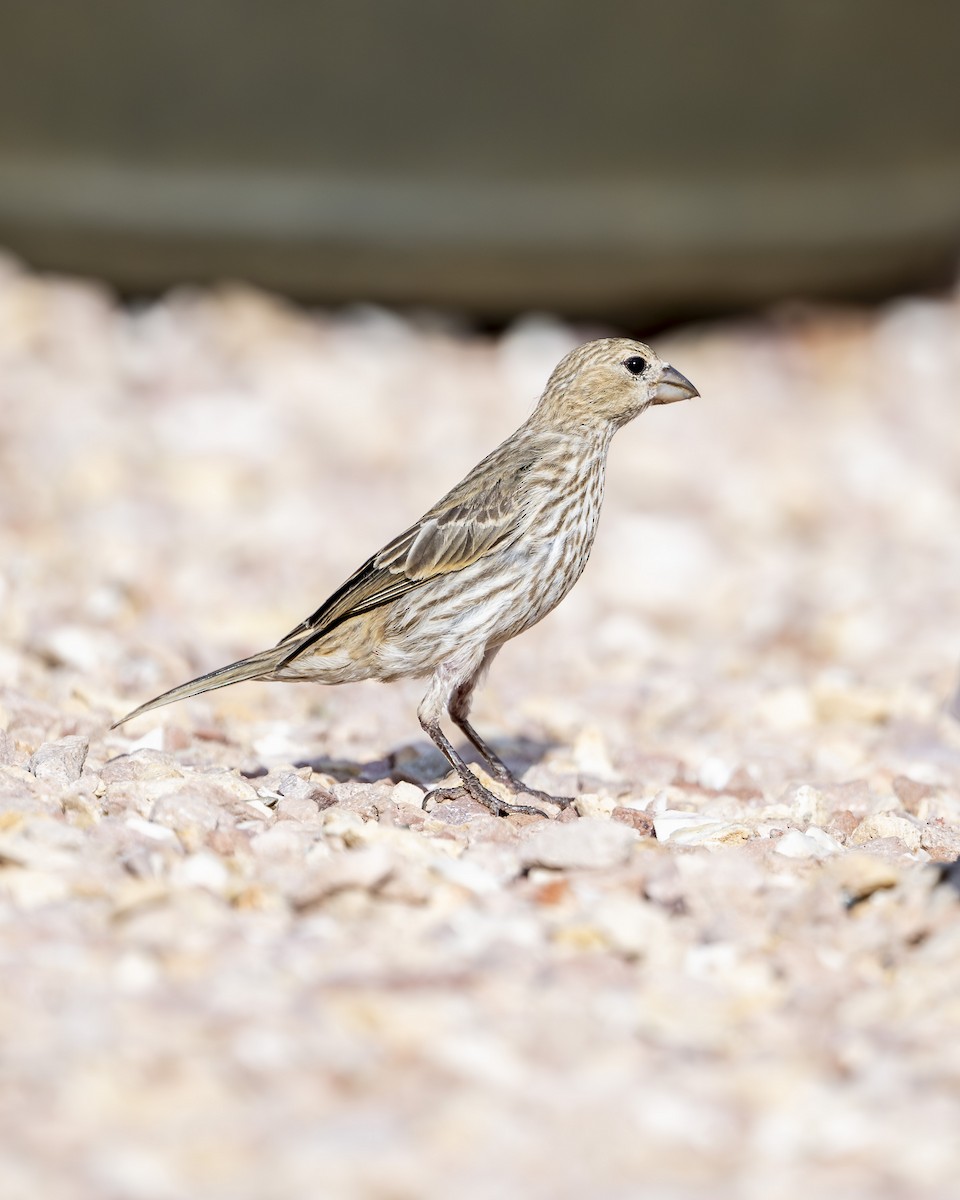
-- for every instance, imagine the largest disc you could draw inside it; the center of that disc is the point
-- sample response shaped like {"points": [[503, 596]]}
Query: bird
{"points": [[490, 559]]}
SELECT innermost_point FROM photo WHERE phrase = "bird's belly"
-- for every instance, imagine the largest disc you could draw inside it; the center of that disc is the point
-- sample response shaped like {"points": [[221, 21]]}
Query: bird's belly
{"points": [[545, 574], [486, 604]]}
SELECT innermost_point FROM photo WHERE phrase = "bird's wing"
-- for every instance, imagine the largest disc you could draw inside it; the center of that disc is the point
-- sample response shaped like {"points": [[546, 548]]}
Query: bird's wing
{"points": [[479, 514]]}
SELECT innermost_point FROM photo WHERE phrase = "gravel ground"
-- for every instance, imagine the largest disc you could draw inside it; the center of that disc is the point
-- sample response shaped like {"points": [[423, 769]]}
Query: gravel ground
{"points": [[239, 960]]}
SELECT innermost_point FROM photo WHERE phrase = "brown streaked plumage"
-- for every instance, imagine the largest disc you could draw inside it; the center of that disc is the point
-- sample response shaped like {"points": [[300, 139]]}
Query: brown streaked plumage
{"points": [[489, 560]]}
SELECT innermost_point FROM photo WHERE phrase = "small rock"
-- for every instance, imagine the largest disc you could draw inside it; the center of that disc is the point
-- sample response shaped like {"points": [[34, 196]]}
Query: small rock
{"points": [[630, 926], [293, 787], [364, 799], [261, 807], [184, 812], [204, 870], [842, 824], [714, 774], [74, 646], [499, 859], [298, 808], [912, 793], [21, 793], [364, 869], [555, 890], [468, 874], [588, 843], [807, 806], [828, 845], [838, 700], [279, 743], [60, 762], [669, 799], [941, 841], [402, 816], [713, 833], [694, 829], [407, 793], [943, 804], [227, 842], [148, 829], [636, 818], [788, 709], [592, 805], [669, 821], [33, 889], [812, 844], [408, 883], [854, 795], [886, 825], [291, 784], [283, 841], [349, 826], [860, 875], [153, 739], [591, 755], [795, 844], [464, 815], [140, 765]]}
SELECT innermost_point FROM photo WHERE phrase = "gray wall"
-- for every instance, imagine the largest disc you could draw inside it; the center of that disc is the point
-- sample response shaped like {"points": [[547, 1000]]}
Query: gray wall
{"points": [[607, 158]]}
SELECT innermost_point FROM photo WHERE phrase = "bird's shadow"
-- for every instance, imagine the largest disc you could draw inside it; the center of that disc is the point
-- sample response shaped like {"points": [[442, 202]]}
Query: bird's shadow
{"points": [[422, 764]]}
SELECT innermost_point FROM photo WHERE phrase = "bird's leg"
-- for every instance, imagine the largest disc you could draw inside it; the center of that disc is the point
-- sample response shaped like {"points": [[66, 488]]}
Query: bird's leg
{"points": [[501, 772], [471, 783], [434, 702], [459, 709]]}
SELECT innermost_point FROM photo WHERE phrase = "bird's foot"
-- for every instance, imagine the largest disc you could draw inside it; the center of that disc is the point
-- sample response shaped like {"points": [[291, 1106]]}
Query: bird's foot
{"points": [[519, 788], [499, 808]]}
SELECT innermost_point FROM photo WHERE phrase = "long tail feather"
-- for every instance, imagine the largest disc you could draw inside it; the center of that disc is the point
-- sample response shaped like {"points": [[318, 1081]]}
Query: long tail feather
{"points": [[257, 666]]}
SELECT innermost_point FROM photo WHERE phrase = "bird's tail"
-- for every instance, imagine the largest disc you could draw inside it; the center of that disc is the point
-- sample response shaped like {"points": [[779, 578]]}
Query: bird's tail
{"points": [[257, 666]]}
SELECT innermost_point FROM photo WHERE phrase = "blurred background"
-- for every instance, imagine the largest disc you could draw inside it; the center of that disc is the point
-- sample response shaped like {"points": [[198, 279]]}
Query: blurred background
{"points": [[273, 277], [631, 161]]}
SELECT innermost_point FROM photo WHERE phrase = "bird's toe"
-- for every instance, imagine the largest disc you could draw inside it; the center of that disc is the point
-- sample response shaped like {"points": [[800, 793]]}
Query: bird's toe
{"points": [[499, 808], [546, 797]]}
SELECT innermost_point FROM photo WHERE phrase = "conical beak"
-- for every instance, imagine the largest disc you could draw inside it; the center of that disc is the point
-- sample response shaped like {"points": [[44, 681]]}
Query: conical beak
{"points": [[673, 386]]}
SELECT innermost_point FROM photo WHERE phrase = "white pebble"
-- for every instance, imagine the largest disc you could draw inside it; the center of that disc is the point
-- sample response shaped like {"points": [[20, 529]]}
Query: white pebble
{"points": [[795, 844], [828, 845], [714, 774], [147, 829], [815, 843], [807, 806], [592, 805], [466, 874], [151, 740], [712, 833], [695, 829], [591, 756], [202, 870], [407, 793]]}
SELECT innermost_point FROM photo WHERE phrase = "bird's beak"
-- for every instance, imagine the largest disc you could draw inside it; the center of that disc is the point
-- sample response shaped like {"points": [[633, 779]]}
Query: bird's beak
{"points": [[673, 386]]}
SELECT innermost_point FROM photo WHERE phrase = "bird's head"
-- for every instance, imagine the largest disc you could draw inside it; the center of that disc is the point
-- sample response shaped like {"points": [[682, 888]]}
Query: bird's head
{"points": [[609, 382]]}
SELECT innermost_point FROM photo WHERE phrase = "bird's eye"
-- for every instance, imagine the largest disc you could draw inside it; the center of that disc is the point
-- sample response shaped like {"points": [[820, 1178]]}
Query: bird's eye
{"points": [[635, 365]]}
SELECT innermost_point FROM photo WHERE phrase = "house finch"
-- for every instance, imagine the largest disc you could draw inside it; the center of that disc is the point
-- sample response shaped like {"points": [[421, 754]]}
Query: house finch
{"points": [[492, 558]]}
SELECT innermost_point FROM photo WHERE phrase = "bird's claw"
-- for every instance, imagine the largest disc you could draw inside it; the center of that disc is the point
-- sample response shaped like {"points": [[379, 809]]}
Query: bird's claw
{"points": [[499, 808], [519, 788], [545, 797]]}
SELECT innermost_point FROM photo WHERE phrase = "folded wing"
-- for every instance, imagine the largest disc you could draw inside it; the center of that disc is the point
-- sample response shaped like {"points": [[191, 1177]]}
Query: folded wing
{"points": [[481, 513]]}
